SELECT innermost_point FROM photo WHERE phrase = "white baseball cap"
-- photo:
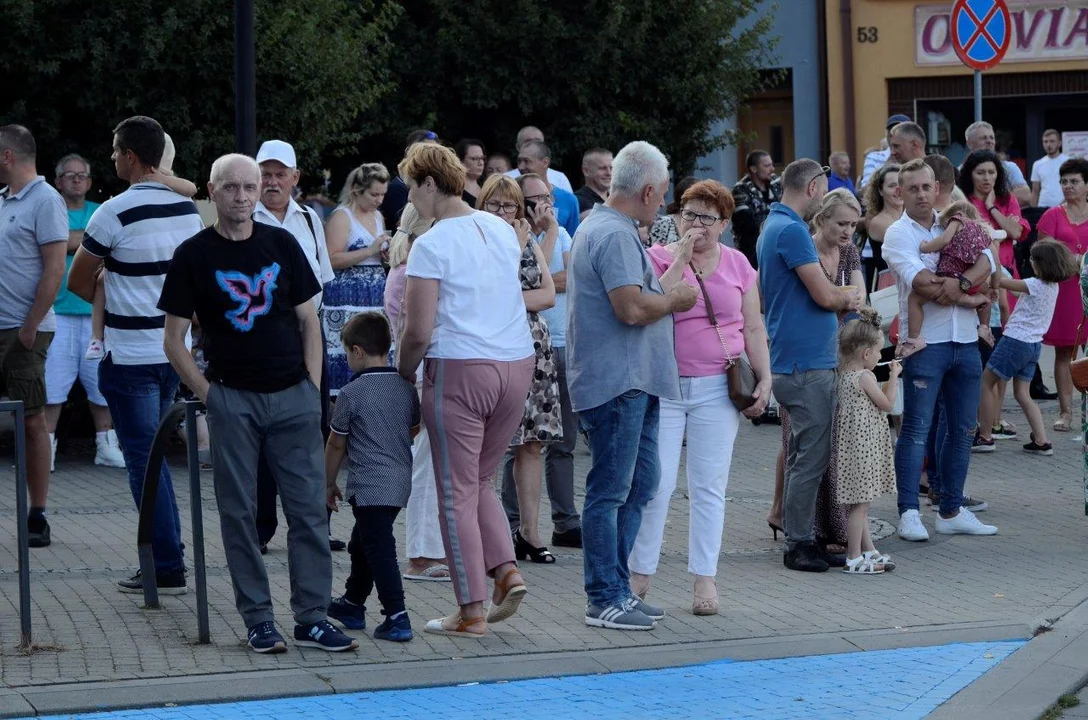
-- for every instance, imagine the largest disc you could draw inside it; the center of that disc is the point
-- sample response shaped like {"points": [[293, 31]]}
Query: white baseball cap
{"points": [[277, 150]]}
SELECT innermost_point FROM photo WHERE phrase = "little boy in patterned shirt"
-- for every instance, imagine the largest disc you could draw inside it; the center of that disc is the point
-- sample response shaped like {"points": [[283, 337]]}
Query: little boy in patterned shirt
{"points": [[375, 418]]}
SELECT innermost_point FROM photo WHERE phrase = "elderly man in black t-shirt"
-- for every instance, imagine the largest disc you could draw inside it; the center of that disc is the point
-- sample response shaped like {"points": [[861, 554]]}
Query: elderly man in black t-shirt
{"points": [[251, 287]]}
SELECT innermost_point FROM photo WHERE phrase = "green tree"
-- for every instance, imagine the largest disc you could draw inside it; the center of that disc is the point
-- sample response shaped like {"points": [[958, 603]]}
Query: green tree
{"points": [[74, 69], [587, 72]]}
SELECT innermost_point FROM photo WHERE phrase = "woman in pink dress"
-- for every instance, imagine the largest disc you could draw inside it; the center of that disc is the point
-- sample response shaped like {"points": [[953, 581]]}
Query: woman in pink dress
{"points": [[1067, 223], [984, 181]]}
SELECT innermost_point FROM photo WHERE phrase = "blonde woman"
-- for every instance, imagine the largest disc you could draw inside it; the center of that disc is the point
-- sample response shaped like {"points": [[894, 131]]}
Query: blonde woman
{"points": [[423, 541], [355, 236]]}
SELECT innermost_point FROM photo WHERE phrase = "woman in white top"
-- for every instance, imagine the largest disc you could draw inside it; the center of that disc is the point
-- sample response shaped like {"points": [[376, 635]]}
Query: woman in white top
{"points": [[464, 316], [355, 236]]}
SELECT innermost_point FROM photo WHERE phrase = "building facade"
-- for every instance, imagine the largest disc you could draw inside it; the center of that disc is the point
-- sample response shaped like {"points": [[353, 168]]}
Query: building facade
{"points": [[896, 56]]}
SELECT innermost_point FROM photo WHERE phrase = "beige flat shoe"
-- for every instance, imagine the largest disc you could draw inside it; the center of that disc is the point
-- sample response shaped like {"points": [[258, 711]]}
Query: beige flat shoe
{"points": [[456, 626], [705, 604]]}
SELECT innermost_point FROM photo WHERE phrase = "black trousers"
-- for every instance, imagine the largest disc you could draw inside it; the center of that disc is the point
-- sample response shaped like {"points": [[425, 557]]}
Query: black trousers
{"points": [[373, 550], [267, 520]]}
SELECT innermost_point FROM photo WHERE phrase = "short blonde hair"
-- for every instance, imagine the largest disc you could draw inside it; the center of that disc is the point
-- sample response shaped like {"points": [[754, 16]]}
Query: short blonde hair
{"points": [[440, 163], [504, 187], [840, 197], [410, 227]]}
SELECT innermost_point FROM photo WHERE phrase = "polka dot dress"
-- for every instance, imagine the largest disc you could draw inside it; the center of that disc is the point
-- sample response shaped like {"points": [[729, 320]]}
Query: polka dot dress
{"points": [[866, 458]]}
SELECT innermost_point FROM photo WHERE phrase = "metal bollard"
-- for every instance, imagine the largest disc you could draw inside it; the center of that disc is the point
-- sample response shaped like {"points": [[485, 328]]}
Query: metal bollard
{"points": [[15, 407], [146, 529], [203, 633]]}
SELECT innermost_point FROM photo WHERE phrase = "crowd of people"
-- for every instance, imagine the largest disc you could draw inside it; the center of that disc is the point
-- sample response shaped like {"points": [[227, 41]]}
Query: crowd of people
{"points": [[468, 315]]}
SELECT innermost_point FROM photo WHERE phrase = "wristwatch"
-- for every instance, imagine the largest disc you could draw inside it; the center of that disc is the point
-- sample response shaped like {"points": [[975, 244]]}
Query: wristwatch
{"points": [[965, 284]]}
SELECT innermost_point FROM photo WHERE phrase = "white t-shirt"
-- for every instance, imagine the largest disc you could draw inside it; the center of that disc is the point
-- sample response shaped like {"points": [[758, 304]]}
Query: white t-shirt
{"points": [[1034, 311], [1045, 172], [310, 237], [481, 314]]}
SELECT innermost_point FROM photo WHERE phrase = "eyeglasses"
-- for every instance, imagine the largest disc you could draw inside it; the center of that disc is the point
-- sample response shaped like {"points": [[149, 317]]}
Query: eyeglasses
{"points": [[493, 206], [825, 170], [692, 216], [476, 158], [74, 175], [538, 199]]}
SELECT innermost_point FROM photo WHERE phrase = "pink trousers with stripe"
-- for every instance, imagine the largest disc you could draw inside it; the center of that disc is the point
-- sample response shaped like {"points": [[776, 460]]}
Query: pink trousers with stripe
{"points": [[471, 409]]}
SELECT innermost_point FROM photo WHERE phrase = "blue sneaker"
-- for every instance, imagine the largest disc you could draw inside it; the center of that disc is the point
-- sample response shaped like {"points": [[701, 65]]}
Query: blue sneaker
{"points": [[264, 638], [324, 635], [350, 615], [398, 629]]}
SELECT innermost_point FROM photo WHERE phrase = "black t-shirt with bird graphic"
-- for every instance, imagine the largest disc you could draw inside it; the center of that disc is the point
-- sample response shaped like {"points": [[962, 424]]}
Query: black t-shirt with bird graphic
{"points": [[244, 294]]}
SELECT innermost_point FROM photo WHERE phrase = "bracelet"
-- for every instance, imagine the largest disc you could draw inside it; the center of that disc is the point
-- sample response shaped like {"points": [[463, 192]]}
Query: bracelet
{"points": [[991, 208]]}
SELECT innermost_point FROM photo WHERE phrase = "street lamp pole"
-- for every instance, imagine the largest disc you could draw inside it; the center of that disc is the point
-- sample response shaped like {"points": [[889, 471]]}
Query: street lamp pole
{"points": [[245, 79]]}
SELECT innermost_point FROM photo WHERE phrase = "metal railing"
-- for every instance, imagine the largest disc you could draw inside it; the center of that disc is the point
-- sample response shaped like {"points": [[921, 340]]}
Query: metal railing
{"points": [[146, 528], [15, 407]]}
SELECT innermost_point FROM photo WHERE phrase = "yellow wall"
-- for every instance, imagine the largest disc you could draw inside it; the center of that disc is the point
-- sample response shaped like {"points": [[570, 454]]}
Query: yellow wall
{"points": [[892, 56]]}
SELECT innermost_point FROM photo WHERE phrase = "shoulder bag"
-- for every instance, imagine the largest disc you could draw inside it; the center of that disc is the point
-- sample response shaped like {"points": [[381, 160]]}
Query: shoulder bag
{"points": [[738, 371]]}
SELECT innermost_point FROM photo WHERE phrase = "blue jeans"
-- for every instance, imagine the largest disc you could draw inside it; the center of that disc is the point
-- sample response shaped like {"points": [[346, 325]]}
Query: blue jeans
{"points": [[621, 482], [953, 373], [938, 434], [138, 397]]}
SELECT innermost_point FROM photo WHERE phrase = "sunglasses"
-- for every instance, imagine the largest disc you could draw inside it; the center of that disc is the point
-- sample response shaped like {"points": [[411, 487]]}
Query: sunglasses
{"points": [[826, 171]]}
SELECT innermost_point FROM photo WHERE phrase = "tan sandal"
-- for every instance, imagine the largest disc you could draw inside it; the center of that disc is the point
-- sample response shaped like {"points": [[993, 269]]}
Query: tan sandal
{"points": [[512, 595], [1063, 422], [705, 604], [459, 629]]}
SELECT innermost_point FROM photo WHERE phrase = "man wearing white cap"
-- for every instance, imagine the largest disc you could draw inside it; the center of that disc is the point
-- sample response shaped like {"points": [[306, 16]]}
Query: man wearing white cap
{"points": [[279, 176]]}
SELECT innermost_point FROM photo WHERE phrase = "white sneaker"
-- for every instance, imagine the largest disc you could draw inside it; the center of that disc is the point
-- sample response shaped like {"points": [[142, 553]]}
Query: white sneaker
{"points": [[964, 523], [911, 527], [52, 452], [108, 451]]}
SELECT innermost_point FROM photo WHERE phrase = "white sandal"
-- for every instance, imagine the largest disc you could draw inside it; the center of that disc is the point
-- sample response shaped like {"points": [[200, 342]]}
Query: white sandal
{"points": [[880, 558], [862, 565]]}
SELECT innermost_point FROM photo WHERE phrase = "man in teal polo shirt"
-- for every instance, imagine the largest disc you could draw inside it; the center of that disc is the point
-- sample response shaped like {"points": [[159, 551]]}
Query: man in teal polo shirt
{"points": [[801, 306], [65, 361]]}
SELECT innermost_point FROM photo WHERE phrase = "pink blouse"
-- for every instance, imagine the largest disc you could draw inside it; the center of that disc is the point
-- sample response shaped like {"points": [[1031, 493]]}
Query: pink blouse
{"points": [[1008, 207], [699, 352]]}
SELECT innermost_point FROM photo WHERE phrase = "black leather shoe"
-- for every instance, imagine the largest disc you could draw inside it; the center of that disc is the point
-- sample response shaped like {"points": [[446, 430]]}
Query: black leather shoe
{"points": [[835, 560], [568, 538], [805, 557]]}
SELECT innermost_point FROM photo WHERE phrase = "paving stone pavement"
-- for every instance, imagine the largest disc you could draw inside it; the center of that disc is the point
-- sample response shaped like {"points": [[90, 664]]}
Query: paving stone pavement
{"points": [[1031, 572], [914, 681]]}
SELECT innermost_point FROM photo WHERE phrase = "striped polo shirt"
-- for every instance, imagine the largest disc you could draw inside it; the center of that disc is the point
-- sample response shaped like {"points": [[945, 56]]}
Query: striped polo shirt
{"points": [[136, 234]]}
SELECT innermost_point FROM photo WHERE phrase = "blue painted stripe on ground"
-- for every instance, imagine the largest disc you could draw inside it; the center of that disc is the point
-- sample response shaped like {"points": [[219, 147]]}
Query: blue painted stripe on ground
{"points": [[885, 684]]}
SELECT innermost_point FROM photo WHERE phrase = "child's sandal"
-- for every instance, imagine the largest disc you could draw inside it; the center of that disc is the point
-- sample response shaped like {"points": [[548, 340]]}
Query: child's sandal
{"points": [[862, 565], [879, 558]]}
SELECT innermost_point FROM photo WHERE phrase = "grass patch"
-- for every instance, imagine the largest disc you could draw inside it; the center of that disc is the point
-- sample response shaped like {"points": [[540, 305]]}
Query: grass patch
{"points": [[1058, 709]]}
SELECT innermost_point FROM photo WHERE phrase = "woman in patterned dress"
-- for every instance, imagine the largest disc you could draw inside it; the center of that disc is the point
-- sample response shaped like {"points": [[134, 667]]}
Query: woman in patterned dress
{"points": [[355, 235], [505, 198], [834, 238]]}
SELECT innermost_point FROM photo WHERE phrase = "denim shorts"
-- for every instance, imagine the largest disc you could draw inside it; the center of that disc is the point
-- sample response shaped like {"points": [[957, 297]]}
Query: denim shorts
{"points": [[1014, 358]]}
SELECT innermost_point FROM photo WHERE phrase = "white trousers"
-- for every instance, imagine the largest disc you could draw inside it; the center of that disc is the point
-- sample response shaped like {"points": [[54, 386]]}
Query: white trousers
{"points": [[424, 537], [64, 362], [711, 422]]}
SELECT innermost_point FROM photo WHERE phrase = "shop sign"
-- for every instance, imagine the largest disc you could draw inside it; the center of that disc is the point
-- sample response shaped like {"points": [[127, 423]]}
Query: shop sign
{"points": [[1041, 31]]}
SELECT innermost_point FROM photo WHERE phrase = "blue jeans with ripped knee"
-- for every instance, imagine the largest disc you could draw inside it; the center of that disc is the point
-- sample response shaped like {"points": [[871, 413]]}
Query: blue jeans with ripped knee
{"points": [[952, 372]]}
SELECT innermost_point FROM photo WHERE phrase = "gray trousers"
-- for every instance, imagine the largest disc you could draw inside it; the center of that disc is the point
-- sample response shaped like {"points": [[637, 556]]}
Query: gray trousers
{"points": [[558, 465], [288, 425], [810, 399]]}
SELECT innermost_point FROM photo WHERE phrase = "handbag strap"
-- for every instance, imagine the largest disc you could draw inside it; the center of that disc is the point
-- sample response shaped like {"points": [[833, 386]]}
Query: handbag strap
{"points": [[730, 359]]}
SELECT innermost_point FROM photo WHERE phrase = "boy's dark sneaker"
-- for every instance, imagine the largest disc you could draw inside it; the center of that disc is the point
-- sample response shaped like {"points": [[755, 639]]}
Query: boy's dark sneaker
{"points": [[1002, 432], [37, 532], [350, 615], [336, 545], [264, 638], [398, 629], [1034, 448], [323, 635], [167, 583]]}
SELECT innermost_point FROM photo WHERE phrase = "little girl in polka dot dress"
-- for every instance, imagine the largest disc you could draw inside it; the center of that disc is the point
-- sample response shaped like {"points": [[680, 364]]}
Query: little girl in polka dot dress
{"points": [[866, 465]]}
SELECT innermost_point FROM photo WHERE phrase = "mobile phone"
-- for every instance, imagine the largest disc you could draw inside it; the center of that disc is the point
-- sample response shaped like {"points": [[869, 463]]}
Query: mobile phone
{"points": [[530, 207]]}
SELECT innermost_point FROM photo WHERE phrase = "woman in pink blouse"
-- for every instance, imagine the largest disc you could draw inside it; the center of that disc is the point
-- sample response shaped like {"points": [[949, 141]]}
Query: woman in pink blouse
{"points": [[1067, 223], [983, 180], [704, 410]]}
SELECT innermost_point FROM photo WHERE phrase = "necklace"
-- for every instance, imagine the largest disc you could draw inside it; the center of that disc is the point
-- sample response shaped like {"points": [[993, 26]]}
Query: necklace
{"points": [[701, 270], [1075, 218], [822, 265]]}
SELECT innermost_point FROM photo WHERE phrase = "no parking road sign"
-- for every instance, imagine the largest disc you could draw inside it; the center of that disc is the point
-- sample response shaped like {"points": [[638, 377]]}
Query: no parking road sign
{"points": [[981, 31]]}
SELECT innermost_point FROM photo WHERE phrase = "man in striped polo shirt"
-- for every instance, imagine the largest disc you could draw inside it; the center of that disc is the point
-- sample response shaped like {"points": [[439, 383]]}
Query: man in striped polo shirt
{"points": [[135, 235]]}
